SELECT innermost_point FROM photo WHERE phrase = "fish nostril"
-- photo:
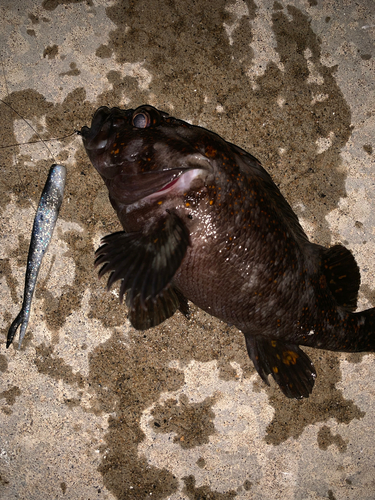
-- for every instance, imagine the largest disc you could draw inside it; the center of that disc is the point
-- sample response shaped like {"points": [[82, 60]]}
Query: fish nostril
{"points": [[117, 122]]}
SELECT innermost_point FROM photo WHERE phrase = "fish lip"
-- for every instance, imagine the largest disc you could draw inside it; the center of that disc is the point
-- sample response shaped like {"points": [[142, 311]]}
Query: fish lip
{"points": [[175, 176], [103, 122], [172, 182], [86, 131], [133, 188], [197, 165]]}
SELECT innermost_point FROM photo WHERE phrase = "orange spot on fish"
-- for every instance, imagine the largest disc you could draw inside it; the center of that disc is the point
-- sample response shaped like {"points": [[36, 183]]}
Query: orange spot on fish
{"points": [[290, 357], [210, 151]]}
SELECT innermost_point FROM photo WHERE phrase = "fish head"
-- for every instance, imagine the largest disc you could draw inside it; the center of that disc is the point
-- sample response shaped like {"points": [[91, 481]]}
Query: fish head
{"points": [[144, 155]]}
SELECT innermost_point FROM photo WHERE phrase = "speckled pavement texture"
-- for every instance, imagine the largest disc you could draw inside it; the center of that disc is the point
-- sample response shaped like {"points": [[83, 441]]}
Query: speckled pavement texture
{"points": [[91, 408]]}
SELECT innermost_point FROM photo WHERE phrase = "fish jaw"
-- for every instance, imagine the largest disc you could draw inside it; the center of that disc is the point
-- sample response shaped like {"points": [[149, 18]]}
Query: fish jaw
{"points": [[143, 164], [99, 138]]}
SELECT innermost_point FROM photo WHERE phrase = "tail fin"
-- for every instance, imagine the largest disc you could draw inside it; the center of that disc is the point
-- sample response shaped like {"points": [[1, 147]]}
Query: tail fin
{"points": [[338, 328], [359, 332], [342, 275], [366, 321], [343, 331]]}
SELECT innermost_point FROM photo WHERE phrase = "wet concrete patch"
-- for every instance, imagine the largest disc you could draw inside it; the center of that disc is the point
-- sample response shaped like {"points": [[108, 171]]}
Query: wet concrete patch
{"points": [[195, 493], [326, 438], [192, 423], [292, 417], [10, 395], [3, 363]]}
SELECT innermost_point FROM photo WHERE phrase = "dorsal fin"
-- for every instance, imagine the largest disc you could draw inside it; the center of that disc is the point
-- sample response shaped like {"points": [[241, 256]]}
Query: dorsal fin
{"points": [[343, 276], [252, 167]]}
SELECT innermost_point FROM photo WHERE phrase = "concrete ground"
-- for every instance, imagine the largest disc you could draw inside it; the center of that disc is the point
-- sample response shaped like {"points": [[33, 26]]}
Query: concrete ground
{"points": [[91, 408]]}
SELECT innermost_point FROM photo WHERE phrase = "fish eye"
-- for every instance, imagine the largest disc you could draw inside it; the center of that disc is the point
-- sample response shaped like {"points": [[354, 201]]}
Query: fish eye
{"points": [[141, 119], [146, 116]]}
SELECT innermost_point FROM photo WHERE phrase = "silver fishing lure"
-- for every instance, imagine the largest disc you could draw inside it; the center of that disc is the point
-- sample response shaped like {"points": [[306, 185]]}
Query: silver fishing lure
{"points": [[44, 224]]}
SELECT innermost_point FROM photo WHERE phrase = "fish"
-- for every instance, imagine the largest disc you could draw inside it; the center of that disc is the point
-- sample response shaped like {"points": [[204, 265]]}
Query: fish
{"points": [[44, 224], [204, 222]]}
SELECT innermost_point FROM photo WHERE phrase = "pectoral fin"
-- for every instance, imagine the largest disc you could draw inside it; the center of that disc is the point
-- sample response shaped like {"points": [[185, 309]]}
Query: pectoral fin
{"points": [[155, 312], [291, 368], [145, 262]]}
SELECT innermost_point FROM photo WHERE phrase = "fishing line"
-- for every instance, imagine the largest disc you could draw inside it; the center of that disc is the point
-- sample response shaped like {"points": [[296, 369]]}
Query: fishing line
{"points": [[43, 141], [34, 142], [29, 124]]}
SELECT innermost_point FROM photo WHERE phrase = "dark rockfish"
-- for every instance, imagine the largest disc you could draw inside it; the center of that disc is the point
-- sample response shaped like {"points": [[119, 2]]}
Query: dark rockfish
{"points": [[204, 221], [44, 224]]}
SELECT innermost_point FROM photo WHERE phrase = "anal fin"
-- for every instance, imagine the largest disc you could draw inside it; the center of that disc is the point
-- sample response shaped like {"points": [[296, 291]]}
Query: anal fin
{"points": [[291, 368]]}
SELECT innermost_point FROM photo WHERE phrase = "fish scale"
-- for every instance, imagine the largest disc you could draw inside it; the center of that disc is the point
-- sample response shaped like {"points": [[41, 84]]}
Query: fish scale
{"points": [[231, 244]]}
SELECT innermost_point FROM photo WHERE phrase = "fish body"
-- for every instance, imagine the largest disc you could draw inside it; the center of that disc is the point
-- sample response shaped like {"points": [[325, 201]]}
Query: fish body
{"points": [[44, 224], [204, 221]]}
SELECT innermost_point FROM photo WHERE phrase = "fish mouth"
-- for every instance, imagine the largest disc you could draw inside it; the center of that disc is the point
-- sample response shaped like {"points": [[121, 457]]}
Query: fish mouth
{"points": [[146, 186], [103, 124], [180, 182], [169, 185]]}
